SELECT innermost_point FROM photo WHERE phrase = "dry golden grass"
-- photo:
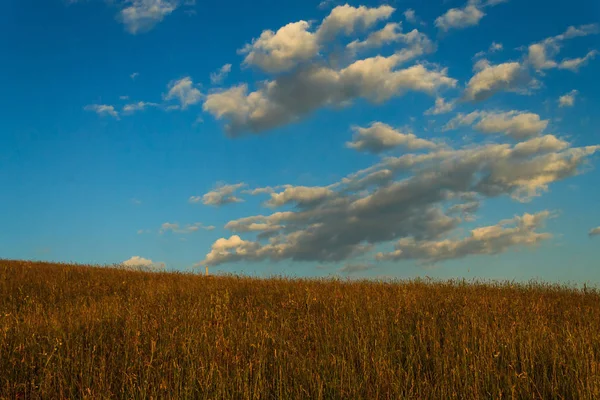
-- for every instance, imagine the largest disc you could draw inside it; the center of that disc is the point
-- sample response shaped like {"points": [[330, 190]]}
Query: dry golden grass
{"points": [[81, 332]]}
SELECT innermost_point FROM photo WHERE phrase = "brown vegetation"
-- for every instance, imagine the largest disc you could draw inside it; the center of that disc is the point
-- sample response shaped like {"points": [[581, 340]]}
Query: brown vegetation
{"points": [[81, 332]]}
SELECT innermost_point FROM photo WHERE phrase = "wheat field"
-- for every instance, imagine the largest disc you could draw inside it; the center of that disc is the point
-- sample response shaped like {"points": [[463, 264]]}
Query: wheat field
{"points": [[73, 331]]}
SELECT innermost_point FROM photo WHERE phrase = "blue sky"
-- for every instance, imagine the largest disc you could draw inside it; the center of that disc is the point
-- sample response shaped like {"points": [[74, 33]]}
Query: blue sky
{"points": [[366, 139]]}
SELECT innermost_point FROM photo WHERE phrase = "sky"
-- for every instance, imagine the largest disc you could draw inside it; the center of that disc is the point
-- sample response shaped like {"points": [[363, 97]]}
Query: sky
{"points": [[374, 139]]}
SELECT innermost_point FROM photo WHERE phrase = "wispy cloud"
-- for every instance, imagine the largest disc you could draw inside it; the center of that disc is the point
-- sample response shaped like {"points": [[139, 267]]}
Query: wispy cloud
{"points": [[103, 110], [184, 91], [219, 76], [190, 228], [143, 15], [221, 195]]}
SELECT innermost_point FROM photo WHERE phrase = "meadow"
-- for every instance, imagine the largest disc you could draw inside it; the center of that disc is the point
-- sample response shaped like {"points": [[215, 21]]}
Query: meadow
{"points": [[72, 331]]}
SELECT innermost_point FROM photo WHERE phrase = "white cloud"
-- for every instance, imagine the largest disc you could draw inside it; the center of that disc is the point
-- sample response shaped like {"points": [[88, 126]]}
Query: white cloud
{"points": [[459, 18], [294, 44], [143, 15], [391, 32], [139, 106], [568, 99], [414, 196], [380, 137], [282, 50], [594, 232], [184, 90], [541, 55], [490, 79], [190, 228], [349, 20], [221, 195], [494, 47], [516, 232], [300, 195], [219, 76], [441, 107], [416, 42], [102, 110], [140, 263], [573, 64], [516, 124], [411, 16], [288, 98], [324, 4], [134, 75], [467, 16]]}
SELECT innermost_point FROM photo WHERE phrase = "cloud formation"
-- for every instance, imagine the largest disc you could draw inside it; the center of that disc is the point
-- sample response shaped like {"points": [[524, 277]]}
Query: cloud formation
{"points": [[282, 50], [494, 47], [568, 99], [143, 15], [516, 232], [420, 197], [184, 91], [139, 106], [140, 263], [190, 228], [594, 232], [519, 125], [380, 137], [223, 194], [103, 110], [542, 55], [490, 79], [460, 18], [219, 76], [441, 106], [290, 97]]}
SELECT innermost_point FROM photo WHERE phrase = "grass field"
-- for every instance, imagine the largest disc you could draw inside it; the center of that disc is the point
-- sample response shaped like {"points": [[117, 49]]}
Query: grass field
{"points": [[82, 332]]}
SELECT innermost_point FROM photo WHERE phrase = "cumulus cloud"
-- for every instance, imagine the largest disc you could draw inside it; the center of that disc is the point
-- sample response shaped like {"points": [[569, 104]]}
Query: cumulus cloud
{"points": [[490, 79], [420, 197], [568, 99], [517, 124], [594, 232], [221, 195], [219, 76], [282, 50], [143, 15], [289, 97], [380, 137], [416, 43], [293, 44], [516, 232], [441, 107], [140, 263], [459, 18], [102, 110], [348, 20], [190, 228], [541, 55], [184, 91], [299, 195]]}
